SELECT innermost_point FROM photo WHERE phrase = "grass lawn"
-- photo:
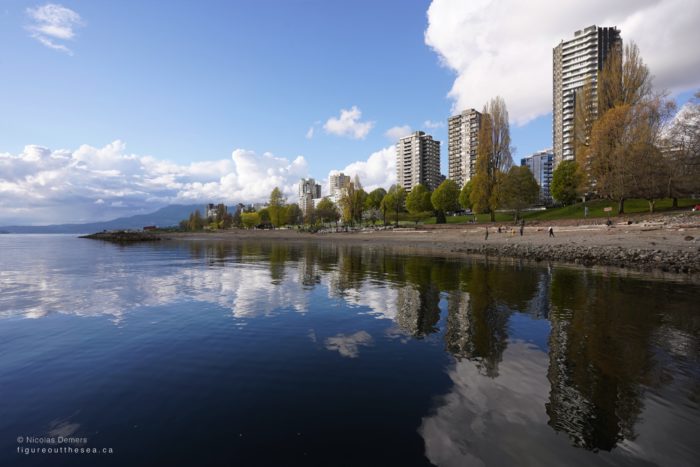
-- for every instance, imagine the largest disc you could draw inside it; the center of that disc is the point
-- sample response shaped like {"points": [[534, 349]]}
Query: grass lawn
{"points": [[595, 210]]}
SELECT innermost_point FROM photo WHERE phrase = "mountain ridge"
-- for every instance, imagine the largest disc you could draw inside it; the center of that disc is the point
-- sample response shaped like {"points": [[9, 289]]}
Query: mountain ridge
{"points": [[166, 216]]}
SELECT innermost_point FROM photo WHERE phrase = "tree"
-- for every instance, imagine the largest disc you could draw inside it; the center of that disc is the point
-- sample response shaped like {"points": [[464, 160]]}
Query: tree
{"points": [[611, 164], [624, 149], [681, 150], [394, 201], [493, 156], [327, 211], [566, 182], [445, 198], [264, 214], [371, 215], [464, 195], [250, 219], [352, 201], [418, 200], [650, 170], [276, 208], [374, 198], [220, 214], [195, 222], [237, 221], [518, 190], [294, 216], [624, 79]]}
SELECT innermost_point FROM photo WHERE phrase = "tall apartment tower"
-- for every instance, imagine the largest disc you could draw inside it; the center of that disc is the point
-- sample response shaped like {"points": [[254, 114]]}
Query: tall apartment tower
{"points": [[418, 161], [462, 145], [541, 165], [308, 191], [575, 61]]}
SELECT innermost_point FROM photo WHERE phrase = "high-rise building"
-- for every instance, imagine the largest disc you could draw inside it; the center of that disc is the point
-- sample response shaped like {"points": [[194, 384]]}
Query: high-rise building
{"points": [[308, 191], [462, 145], [576, 61], [418, 161], [338, 181], [541, 164]]}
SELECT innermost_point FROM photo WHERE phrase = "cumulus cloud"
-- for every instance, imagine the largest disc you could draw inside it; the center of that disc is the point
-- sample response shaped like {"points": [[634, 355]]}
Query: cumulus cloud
{"points": [[51, 23], [397, 132], [41, 186], [348, 124], [494, 49], [44, 186], [378, 171]]}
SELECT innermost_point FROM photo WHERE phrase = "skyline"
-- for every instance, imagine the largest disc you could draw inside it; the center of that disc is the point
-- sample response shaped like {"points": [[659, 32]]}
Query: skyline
{"points": [[147, 107]]}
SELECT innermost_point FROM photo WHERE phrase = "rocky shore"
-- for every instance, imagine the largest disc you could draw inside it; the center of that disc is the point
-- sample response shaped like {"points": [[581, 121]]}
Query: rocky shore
{"points": [[686, 262]]}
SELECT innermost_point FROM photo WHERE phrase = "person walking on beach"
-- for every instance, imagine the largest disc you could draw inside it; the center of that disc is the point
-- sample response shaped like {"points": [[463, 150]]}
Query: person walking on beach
{"points": [[486, 237], [551, 231], [522, 227]]}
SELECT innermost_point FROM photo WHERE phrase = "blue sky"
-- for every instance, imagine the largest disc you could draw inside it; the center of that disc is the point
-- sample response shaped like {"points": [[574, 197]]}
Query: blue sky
{"points": [[205, 89], [189, 82]]}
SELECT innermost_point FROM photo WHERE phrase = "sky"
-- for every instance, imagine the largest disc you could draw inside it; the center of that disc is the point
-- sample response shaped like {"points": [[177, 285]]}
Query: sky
{"points": [[115, 108]]}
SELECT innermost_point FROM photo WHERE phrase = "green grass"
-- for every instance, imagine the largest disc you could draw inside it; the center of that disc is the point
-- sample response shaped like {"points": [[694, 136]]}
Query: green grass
{"points": [[595, 210]]}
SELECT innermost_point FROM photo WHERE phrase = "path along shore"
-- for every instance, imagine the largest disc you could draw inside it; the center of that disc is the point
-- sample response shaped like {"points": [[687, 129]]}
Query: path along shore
{"points": [[647, 243]]}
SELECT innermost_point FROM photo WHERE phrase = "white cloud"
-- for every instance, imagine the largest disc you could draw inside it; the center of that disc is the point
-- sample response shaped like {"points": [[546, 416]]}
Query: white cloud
{"points": [[51, 23], [310, 132], [504, 47], [432, 125], [397, 132], [378, 171], [348, 124], [41, 186], [349, 346]]}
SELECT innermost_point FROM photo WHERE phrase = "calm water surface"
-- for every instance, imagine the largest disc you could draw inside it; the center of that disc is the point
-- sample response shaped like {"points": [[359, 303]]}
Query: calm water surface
{"points": [[253, 354]]}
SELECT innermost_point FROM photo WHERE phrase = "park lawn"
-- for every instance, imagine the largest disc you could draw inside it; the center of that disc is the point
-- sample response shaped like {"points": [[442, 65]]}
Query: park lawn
{"points": [[595, 210]]}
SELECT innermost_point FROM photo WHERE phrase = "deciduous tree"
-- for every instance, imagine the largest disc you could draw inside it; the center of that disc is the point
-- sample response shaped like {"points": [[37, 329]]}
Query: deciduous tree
{"points": [[294, 215], [276, 207], [394, 201], [518, 190], [464, 195], [250, 219], [493, 155], [681, 149], [418, 200], [445, 198], [567, 181], [327, 211]]}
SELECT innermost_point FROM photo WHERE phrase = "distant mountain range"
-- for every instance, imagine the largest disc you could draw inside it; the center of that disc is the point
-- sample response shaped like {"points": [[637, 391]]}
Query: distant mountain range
{"points": [[164, 217]]}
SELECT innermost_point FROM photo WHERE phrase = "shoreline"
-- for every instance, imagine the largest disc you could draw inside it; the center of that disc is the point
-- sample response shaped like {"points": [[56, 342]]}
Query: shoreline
{"points": [[668, 244]]}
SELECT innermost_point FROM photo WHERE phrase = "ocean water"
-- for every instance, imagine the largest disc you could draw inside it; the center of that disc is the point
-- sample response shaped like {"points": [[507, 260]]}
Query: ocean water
{"points": [[213, 353]]}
